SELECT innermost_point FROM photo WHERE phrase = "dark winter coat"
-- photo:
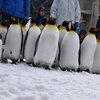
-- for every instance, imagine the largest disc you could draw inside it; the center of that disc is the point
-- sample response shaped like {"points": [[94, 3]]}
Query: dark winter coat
{"points": [[17, 8], [39, 19], [98, 26]]}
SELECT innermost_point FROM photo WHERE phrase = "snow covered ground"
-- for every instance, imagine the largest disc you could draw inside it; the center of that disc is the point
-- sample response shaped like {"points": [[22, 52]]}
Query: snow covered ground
{"points": [[21, 82]]}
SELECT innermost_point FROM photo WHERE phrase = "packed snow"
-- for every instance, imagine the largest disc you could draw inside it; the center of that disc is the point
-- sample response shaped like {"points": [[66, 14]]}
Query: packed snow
{"points": [[22, 82]]}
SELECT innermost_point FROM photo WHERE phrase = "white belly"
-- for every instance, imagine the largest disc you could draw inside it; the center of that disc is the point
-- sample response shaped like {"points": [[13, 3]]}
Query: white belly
{"points": [[88, 48], [69, 51], [96, 62], [13, 41], [0, 49], [47, 46], [31, 44]]}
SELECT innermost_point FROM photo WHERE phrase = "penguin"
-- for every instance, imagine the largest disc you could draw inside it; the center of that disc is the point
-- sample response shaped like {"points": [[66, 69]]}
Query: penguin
{"points": [[30, 42], [43, 23], [0, 45], [13, 40], [24, 28], [28, 24], [3, 47], [62, 32], [87, 51], [24, 31], [69, 50], [47, 45], [96, 64], [3, 29]]}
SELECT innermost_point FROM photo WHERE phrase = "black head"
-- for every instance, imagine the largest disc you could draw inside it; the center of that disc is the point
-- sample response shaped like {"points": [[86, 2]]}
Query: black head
{"points": [[0, 35], [66, 24], [4, 22], [73, 27], [14, 20], [33, 20], [52, 21], [93, 30], [24, 22], [44, 21]]}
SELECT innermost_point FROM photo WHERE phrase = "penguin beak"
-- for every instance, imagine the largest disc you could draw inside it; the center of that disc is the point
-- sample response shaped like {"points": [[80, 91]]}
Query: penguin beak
{"points": [[34, 18], [96, 29], [52, 19], [20, 21], [5, 21], [73, 25], [27, 20], [13, 19], [70, 21]]}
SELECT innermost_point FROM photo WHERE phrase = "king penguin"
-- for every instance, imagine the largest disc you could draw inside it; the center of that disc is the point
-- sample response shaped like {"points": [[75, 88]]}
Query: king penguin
{"points": [[0, 45], [3, 29], [47, 45], [43, 23], [30, 42], [62, 32], [13, 40], [96, 62], [24, 31], [69, 50], [87, 51]]}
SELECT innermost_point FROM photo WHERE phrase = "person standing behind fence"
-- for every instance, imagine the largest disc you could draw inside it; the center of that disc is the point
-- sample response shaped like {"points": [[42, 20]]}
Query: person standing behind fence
{"points": [[66, 10], [14, 8], [40, 15]]}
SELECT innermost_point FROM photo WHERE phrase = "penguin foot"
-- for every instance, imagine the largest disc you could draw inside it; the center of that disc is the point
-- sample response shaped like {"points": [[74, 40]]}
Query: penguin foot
{"points": [[68, 69], [87, 70], [55, 66], [29, 64], [21, 60], [73, 70], [38, 65], [33, 65], [17, 61], [47, 67], [63, 69], [4, 60], [79, 70], [14, 62]]}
